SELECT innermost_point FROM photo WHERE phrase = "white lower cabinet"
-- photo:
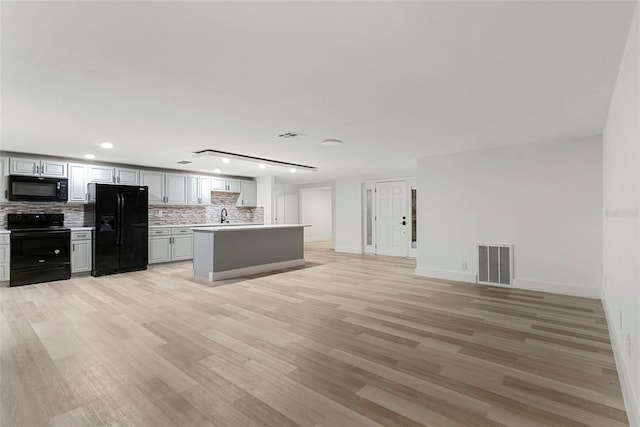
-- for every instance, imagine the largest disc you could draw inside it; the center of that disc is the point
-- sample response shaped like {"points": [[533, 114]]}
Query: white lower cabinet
{"points": [[5, 255], [80, 251], [170, 244]]}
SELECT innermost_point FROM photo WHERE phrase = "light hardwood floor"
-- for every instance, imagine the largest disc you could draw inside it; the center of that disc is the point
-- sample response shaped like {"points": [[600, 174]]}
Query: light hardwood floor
{"points": [[348, 340]]}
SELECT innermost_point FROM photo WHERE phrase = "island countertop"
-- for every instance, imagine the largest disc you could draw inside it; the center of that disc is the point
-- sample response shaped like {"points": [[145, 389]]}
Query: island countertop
{"points": [[246, 227]]}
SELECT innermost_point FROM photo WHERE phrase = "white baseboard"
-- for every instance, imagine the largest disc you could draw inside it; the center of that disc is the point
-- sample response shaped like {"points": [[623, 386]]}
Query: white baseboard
{"points": [[348, 250], [316, 238], [246, 271], [633, 409], [458, 276], [556, 288]]}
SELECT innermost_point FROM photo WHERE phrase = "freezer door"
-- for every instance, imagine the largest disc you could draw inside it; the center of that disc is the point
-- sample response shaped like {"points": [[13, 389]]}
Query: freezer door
{"points": [[105, 242]]}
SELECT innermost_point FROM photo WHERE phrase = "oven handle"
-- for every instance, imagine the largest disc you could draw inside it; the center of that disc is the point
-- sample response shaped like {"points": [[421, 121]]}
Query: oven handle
{"points": [[37, 234]]}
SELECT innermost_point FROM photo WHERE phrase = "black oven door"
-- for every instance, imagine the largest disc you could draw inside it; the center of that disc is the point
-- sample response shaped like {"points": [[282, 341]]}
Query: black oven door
{"points": [[45, 249]]}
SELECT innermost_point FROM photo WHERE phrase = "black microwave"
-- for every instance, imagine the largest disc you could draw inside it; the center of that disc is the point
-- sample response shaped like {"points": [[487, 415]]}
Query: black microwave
{"points": [[37, 189]]}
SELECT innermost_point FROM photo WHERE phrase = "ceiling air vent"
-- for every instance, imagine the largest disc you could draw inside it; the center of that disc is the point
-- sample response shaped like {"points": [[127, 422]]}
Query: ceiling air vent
{"points": [[184, 162], [288, 135]]}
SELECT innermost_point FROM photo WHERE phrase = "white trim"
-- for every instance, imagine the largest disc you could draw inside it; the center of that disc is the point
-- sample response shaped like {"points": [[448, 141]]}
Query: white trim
{"points": [[457, 276], [255, 269], [349, 250], [556, 288], [633, 410]]}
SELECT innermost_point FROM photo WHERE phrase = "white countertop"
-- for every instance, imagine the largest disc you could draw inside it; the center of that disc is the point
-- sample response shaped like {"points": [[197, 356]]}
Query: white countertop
{"points": [[5, 231], [247, 227], [215, 224]]}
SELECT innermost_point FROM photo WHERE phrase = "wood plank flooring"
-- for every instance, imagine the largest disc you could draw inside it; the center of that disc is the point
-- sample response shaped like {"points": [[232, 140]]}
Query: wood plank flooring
{"points": [[347, 340]]}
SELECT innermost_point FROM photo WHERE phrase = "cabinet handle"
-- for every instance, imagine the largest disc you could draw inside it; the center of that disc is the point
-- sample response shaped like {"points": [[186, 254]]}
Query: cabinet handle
{"points": [[73, 247], [118, 180]]}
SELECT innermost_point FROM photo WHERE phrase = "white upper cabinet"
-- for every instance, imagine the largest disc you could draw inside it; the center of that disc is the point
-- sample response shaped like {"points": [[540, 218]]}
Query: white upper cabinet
{"points": [[127, 176], [77, 183], [205, 190], [111, 175], [101, 174], [249, 194], [225, 185], [198, 190], [176, 188], [155, 181], [37, 167], [4, 180]]}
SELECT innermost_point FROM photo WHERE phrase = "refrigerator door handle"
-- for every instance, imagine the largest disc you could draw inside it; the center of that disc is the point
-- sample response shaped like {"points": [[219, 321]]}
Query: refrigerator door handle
{"points": [[118, 216]]}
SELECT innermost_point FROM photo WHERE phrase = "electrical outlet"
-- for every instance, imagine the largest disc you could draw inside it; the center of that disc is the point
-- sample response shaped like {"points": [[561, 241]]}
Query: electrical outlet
{"points": [[620, 319], [629, 345], [464, 265]]}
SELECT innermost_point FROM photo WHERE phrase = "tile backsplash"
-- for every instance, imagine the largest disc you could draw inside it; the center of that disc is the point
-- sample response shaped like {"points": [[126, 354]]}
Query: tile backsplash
{"points": [[73, 214], [158, 214]]}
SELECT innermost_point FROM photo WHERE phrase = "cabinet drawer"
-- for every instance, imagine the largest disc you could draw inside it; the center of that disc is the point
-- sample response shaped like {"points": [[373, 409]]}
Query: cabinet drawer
{"points": [[181, 230], [5, 239], [80, 235], [159, 232]]}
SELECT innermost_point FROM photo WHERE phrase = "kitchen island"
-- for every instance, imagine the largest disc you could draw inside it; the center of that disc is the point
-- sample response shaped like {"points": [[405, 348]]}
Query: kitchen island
{"points": [[226, 252]]}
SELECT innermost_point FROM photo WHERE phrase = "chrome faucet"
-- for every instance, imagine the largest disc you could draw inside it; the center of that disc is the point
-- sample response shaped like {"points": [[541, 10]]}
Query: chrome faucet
{"points": [[223, 215]]}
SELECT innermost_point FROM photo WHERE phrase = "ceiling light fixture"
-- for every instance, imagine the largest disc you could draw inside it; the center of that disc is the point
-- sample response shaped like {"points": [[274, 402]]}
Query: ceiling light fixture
{"points": [[262, 166], [106, 145], [89, 156], [292, 170], [217, 170], [225, 160], [331, 141]]}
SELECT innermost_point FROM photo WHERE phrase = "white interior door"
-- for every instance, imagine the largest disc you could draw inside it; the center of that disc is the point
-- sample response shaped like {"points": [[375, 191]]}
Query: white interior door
{"points": [[391, 221]]}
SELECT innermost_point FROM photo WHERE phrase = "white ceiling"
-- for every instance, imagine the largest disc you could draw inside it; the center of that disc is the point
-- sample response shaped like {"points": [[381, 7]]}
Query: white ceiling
{"points": [[394, 80]]}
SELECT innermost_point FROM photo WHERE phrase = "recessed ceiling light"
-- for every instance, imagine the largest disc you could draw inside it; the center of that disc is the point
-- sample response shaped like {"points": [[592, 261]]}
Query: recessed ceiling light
{"points": [[106, 145], [217, 170], [331, 141], [262, 166], [225, 160], [89, 156], [292, 170]]}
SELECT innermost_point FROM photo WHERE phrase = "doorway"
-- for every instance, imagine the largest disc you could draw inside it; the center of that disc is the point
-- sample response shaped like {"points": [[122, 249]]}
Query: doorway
{"points": [[386, 219]]}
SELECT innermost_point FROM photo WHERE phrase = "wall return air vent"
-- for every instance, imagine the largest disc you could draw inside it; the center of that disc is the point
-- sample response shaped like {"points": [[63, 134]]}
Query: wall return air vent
{"points": [[495, 264]]}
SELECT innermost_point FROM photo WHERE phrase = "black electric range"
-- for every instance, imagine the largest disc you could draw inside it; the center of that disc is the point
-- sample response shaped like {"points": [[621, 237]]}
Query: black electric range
{"points": [[40, 248]]}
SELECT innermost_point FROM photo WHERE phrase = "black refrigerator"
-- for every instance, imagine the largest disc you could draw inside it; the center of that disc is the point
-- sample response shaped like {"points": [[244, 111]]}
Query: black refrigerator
{"points": [[120, 219]]}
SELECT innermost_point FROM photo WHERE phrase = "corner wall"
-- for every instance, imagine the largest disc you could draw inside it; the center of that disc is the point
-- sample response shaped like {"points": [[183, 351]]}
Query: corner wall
{"points": [[621, 223], [545, 199]]}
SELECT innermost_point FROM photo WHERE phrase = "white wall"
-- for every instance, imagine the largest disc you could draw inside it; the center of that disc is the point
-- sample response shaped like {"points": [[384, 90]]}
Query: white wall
{"points": [[545, 199], [315, 209], [348, 216], [621, 224]]}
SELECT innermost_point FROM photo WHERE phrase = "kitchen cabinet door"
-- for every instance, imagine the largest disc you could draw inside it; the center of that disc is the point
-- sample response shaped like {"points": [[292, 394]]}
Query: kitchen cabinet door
{"points": [[77, 183], [193, 190], [53, 169], [155, 181], [127, 176], [24, 166], [4, 179], [248, 195], [80, 256], [176, 188], [205, 190], [159, 249], [101, 174], [234, 185], [218, 184], [182, 248]]}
